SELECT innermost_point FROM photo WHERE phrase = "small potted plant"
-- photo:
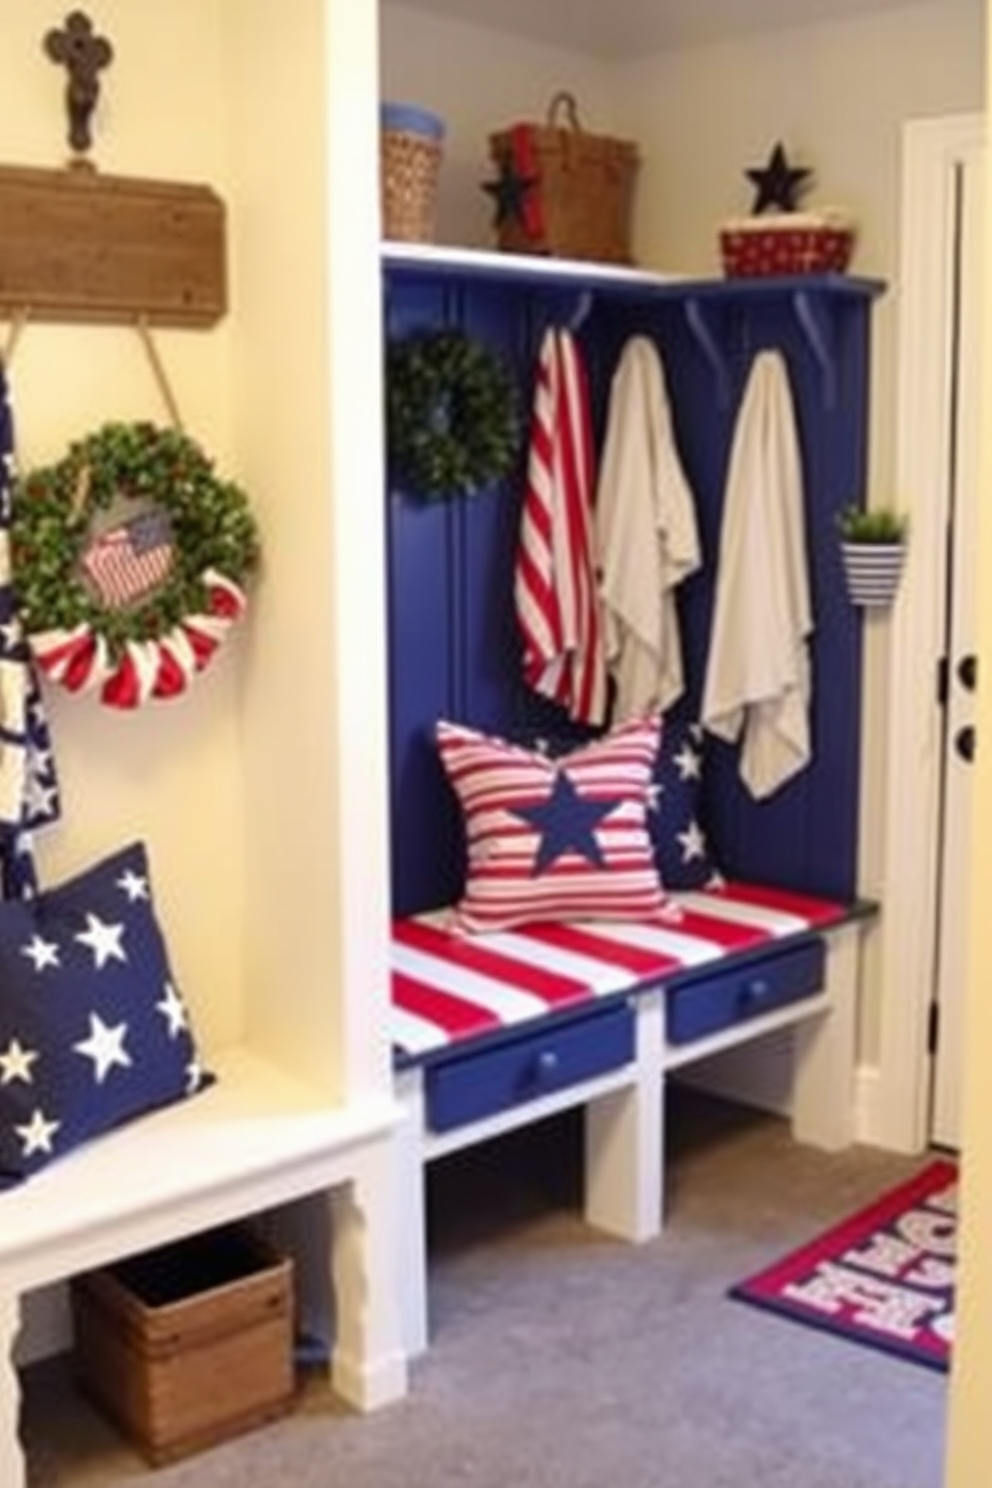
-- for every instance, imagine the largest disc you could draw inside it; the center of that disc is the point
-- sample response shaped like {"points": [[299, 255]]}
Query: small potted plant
{"points": [[873, 545]]}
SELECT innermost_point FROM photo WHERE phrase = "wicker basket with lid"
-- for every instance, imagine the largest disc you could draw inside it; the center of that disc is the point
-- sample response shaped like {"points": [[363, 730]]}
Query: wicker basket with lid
{"points": [[411, 147], [578, 192]]}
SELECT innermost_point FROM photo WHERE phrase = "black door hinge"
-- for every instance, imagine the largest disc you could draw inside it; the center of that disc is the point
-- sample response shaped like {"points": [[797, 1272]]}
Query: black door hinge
{"points": [[943, 681], [933, 1028]]}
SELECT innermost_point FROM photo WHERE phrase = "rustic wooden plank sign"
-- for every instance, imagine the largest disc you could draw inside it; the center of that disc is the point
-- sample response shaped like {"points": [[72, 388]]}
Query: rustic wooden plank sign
{"points": [[76, 245]]}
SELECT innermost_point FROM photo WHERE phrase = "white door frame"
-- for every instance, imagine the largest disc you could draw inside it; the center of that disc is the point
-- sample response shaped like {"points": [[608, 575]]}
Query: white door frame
{"points": [[932, 149]]}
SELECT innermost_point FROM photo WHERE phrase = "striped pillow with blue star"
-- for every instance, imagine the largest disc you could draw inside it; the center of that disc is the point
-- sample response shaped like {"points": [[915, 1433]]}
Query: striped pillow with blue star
{"points": [[681, 849], [554, 839], [93, 1029]]}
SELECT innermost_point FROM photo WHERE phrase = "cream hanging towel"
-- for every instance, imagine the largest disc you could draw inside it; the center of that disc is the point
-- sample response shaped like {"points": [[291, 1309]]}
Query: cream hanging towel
{"points": [[646, 536], [758, 670]]}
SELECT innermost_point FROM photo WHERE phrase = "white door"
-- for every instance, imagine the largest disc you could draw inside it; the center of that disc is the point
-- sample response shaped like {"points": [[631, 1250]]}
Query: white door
{"points": [[961, 673]]}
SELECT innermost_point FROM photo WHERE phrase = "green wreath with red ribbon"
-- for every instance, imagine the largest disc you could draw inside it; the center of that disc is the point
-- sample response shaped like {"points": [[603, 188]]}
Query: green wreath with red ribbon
{"points": [[130, 557]]}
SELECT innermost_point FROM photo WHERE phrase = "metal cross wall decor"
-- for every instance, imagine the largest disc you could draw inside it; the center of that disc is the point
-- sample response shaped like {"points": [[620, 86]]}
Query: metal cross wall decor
{"points": [[84, 55]]}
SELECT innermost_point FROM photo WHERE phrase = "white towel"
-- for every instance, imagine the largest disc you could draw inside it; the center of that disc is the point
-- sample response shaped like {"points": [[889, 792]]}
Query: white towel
{"points": [[757, 671], [646, 536]]}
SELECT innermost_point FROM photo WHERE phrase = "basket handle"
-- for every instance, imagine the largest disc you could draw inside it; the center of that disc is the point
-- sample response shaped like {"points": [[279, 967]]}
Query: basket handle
{"points": [[566, 101]]}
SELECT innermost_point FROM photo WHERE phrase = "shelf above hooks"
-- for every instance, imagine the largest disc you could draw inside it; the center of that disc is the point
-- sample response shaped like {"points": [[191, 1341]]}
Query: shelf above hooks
{"points": [[815, 301], [78, 246]]}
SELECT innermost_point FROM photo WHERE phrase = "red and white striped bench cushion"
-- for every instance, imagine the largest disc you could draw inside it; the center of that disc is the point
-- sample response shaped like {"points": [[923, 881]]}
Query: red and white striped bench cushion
{"points": [[448, 988]]}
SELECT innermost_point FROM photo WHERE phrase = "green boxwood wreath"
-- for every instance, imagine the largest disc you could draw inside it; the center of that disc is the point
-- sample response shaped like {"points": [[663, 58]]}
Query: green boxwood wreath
{"points": [[214, 537], [452, 414]]}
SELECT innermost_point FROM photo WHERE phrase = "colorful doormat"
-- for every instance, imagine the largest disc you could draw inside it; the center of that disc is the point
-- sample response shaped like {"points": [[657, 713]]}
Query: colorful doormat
{"points": [[884, 1277]]}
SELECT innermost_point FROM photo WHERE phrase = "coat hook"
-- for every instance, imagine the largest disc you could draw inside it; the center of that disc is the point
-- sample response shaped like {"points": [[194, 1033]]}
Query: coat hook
{"points": [[816, 327], [84, 55], [706, 340], [581, 312]]}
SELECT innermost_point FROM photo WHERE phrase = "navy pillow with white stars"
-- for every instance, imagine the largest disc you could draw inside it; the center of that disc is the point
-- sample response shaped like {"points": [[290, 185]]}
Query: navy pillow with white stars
{"points": [[681, 851], [93, 1029]]}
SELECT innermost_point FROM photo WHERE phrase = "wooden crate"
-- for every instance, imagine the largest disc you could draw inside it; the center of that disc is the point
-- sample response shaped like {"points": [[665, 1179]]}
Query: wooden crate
{"points": [[188, 1345]]}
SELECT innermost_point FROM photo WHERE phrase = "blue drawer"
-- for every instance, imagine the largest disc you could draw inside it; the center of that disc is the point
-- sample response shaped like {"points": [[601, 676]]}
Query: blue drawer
{"points": [[731, 997], [469, 1087]]}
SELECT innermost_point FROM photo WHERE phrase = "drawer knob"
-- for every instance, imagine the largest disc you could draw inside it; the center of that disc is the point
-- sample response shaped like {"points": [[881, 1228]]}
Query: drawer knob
{"points": [[757, 990], [546, 1066]]}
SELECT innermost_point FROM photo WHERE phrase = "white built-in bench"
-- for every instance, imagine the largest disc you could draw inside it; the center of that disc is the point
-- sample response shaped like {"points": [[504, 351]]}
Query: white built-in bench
{"points": [[497, 1031], [256, 1139]]}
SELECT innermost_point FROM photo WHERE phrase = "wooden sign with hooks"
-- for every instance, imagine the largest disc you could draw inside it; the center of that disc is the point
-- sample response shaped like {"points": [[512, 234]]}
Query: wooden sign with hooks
{"points": [[76, 245]]}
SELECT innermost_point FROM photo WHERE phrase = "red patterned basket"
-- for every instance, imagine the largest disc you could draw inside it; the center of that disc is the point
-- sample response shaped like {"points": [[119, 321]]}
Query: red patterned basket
{"points": [[788, 243]]}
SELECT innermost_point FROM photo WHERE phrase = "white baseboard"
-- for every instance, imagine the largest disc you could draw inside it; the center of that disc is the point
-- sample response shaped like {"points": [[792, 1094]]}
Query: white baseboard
{"points": [[866, 1092]]}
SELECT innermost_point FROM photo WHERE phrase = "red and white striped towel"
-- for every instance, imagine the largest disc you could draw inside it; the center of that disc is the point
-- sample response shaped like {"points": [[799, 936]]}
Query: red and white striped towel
{"points": [[449, 987], [557, 603]]}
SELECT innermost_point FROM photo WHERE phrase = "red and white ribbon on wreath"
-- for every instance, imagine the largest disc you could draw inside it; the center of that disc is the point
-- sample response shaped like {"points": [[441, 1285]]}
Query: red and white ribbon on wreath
{"points": [[162, 668]]}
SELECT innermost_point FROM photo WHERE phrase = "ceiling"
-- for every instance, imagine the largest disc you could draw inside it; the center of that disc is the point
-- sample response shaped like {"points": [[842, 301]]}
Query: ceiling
{"points": [[629, 28]]}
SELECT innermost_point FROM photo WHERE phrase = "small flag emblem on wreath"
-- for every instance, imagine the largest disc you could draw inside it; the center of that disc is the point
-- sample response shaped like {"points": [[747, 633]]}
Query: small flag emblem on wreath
{"points": [[129, 561]]}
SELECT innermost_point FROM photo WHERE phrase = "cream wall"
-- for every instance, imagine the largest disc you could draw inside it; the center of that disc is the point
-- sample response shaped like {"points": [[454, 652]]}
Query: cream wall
{"points": [[171, 773], [306, 377], [479, 80]]}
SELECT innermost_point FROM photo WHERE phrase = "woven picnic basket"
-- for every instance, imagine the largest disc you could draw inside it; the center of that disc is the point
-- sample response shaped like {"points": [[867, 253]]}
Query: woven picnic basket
{"points": [[580, 199], [411, 146]]}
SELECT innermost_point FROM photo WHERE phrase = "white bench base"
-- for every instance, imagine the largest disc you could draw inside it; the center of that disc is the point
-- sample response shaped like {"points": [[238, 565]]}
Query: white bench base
{"points": [[624, 1114], [255, 1140]]}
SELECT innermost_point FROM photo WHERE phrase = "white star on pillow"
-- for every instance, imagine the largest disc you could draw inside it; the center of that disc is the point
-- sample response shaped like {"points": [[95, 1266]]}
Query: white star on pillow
{"points": [[37, 1135], [135, 885], [16, 1063], [689, 763], [105, 1046], [42, 952], [173, 1010], [693, 842], [104, 940]]}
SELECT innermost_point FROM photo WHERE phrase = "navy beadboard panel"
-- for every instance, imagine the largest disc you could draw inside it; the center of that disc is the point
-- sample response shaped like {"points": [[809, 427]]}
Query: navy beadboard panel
{"points": [[454, 649]]}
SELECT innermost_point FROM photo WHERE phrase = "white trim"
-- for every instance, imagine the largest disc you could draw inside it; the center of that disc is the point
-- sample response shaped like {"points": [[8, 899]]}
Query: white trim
{"points": [[932, 150], [866, 1103]]}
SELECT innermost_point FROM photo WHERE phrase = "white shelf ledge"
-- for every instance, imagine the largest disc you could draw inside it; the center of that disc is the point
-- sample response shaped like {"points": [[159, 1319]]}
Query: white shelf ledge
{"points": [[437, 260], [255, 1139], [488, 264]]}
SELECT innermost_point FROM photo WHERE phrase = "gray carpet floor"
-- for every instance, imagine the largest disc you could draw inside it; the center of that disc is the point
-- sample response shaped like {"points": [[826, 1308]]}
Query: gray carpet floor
{"points": [[561, 1359]]}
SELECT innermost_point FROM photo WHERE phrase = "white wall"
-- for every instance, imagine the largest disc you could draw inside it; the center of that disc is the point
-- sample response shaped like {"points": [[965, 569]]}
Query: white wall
{"points": [[479, 80]]}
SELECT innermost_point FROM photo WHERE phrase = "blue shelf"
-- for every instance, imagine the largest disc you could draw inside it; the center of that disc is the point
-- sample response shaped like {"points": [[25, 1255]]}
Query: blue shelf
{"points": [[813, 299]]}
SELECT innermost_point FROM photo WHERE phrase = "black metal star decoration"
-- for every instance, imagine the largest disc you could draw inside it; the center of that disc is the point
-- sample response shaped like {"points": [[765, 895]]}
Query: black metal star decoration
{"points": [[509, 191], [779, 184]]}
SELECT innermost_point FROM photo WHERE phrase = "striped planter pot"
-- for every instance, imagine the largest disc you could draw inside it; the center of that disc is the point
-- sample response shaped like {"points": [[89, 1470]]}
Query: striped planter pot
{"points": [[873, 571]]}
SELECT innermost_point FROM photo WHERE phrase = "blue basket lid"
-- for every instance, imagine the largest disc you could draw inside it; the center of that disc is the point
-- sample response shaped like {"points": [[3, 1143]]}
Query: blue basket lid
{"points": [[411, 120]]}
